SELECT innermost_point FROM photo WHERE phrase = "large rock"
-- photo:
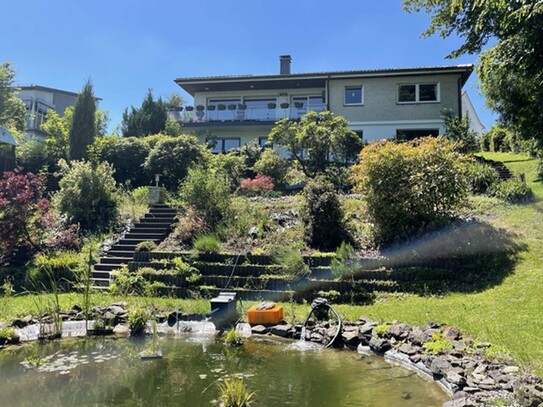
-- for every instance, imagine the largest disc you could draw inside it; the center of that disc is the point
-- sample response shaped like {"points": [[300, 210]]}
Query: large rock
{"points": [[350, 338], [281, 330], [408, 349], [379, 345], [259, 329], [439, 366], [399, 331], [452, 333]]}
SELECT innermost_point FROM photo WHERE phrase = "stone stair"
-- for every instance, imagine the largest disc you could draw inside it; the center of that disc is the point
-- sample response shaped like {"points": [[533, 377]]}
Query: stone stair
{"points": [[503, 172], [154, 226]]}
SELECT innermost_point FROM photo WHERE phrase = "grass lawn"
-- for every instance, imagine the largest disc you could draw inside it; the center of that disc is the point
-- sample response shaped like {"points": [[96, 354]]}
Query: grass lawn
{"points": [[508, 315]]}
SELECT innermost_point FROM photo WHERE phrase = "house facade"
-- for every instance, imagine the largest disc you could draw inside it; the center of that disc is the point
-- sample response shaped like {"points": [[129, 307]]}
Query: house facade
{"points": [[381, 103], [38, 100]]}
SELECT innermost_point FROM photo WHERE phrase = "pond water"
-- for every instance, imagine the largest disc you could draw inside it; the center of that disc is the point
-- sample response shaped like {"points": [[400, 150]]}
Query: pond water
{"points": [[109, 372]]}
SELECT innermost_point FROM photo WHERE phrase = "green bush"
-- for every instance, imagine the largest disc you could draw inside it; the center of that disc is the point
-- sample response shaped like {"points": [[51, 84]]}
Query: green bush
{"points": [[126, 283], [146, 246], [182, 268], [485, 142], [59, 266], [322, 215], [127, 155], [208, 193], [410, 187], [345, 261], [171, 158], [513, 191], [233, 338], [540, 169], [206, 244], [138, 316], [87, 195], [291, 262], [482, 177], [272, 165]]}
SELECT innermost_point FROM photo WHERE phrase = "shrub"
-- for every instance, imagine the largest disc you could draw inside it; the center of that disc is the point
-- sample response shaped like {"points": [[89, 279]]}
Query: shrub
{"points": [[127, 283], [127, 155], [513, 191], [232, 166], [322, 215], [345, 261], [189, 225], [458, 131], [540, 169], [233, 338], [184, 269], [146, 246], [58, 266], [171, 158], [87, 195], [482, 177], [138, 316], [273, 165], [208, 193], [207, 244], [233, 393], [410, 187], [291, 262], [485, 141], [257, 186]]}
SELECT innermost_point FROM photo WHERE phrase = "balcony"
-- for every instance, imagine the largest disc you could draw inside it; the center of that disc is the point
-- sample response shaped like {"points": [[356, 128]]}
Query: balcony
{"points": [[236, 114]]}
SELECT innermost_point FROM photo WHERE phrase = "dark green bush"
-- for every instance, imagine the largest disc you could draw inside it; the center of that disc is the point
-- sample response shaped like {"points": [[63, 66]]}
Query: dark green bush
{"points": [[138, 316], [208, 193], [146, 246], [513, 191], [273, 165], [322, 215], [482, 177], [87, 195], [126, 283], [540, 169], [171, 158], [410, 187], [59, 266], [127, 155]]}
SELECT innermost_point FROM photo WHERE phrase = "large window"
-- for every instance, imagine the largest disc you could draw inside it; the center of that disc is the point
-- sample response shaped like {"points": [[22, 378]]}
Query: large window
{"points": [[418, 93], [354, 95], [411, 134], [224, 144]]}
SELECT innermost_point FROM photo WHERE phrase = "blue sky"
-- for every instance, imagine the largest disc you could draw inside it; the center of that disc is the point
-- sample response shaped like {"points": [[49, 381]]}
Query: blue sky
{"points": [[126, 47]]}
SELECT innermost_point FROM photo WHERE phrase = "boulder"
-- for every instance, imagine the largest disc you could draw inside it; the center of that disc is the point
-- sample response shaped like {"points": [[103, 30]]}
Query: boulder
{"points": [[399, 331], [379, 345], [259, 329], [350, 338], [281, 330], [439, 366], [452, 333], [408, 349]]}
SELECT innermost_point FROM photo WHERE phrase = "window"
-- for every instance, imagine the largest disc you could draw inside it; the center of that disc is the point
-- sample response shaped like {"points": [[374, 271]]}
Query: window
{"points": [[418, 93], [354, 95], [263, 142], [258, 109], [411, 134], [223, 145]]}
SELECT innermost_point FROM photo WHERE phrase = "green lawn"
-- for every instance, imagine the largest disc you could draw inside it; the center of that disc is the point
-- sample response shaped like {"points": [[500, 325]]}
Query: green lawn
{"points": [[507, 315]]}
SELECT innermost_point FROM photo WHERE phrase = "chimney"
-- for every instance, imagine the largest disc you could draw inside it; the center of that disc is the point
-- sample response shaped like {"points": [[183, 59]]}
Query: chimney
{"points": [[285, 64]]}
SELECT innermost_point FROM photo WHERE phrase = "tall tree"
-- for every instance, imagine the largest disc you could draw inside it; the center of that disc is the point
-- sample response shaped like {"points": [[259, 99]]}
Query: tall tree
{"points": [[12, 109], [149, 119], [511, 71], [83, 129]]}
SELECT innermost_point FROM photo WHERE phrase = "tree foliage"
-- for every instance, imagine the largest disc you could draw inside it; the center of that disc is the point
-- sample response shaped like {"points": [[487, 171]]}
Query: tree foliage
{"points": [[410, 187], [511, 71], [87, 195], [311, 140], [149, 119], [12, 109], [83, 129], [458, 131], [172, 157]]}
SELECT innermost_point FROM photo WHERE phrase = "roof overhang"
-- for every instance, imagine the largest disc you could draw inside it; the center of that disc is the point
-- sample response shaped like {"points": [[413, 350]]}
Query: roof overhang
{"points": [[6, 137], [308, 80]]}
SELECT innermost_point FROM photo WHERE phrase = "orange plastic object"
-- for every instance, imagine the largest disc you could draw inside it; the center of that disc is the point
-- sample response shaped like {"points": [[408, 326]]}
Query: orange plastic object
{"points": [[265, 317]]}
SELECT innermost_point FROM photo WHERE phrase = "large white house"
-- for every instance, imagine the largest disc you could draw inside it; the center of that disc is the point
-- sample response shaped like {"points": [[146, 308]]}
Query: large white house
{"points": [[377, 103]]}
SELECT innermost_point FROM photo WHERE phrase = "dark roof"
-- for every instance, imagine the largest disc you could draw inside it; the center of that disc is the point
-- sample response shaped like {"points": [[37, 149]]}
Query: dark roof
{"points": [[308, 79], [39, 87]]}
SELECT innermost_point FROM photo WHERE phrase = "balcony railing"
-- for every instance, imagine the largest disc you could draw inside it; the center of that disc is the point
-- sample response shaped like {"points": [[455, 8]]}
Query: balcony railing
{"points": [[247, 114]]}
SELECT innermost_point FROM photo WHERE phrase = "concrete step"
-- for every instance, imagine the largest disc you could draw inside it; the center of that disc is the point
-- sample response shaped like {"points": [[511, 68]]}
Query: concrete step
{"points": [[131, 241], [145, 236], [101, 275], [152, 226], [121, 253], [124, 247], [105, 267], [101, 282], [114, 260], [156, 219]]}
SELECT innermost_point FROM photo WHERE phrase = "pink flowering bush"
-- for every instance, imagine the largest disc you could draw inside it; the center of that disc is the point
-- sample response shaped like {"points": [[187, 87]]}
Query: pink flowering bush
{"points": [[259, 185]]}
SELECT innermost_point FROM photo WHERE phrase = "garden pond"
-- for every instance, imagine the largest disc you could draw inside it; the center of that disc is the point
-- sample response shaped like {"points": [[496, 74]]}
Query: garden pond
{"points": [[109, 372]]}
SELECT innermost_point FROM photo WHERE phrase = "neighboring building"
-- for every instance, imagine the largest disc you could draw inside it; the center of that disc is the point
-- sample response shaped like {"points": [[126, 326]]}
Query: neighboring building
{"points": [[469, 112], [38, 100], [380, 103]]}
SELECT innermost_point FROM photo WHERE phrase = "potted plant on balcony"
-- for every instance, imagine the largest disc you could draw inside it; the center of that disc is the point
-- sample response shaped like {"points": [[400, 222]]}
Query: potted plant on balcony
{"points": [[272, 105], [242, 106], [221, 106], [200, 108], [189, 108], [298, 105], [211, 107], [284, 105], [232, 107]]}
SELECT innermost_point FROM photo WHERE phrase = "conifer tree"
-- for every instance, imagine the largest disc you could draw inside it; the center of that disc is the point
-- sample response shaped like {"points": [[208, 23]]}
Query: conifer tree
{"points": [[83, 130]]}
